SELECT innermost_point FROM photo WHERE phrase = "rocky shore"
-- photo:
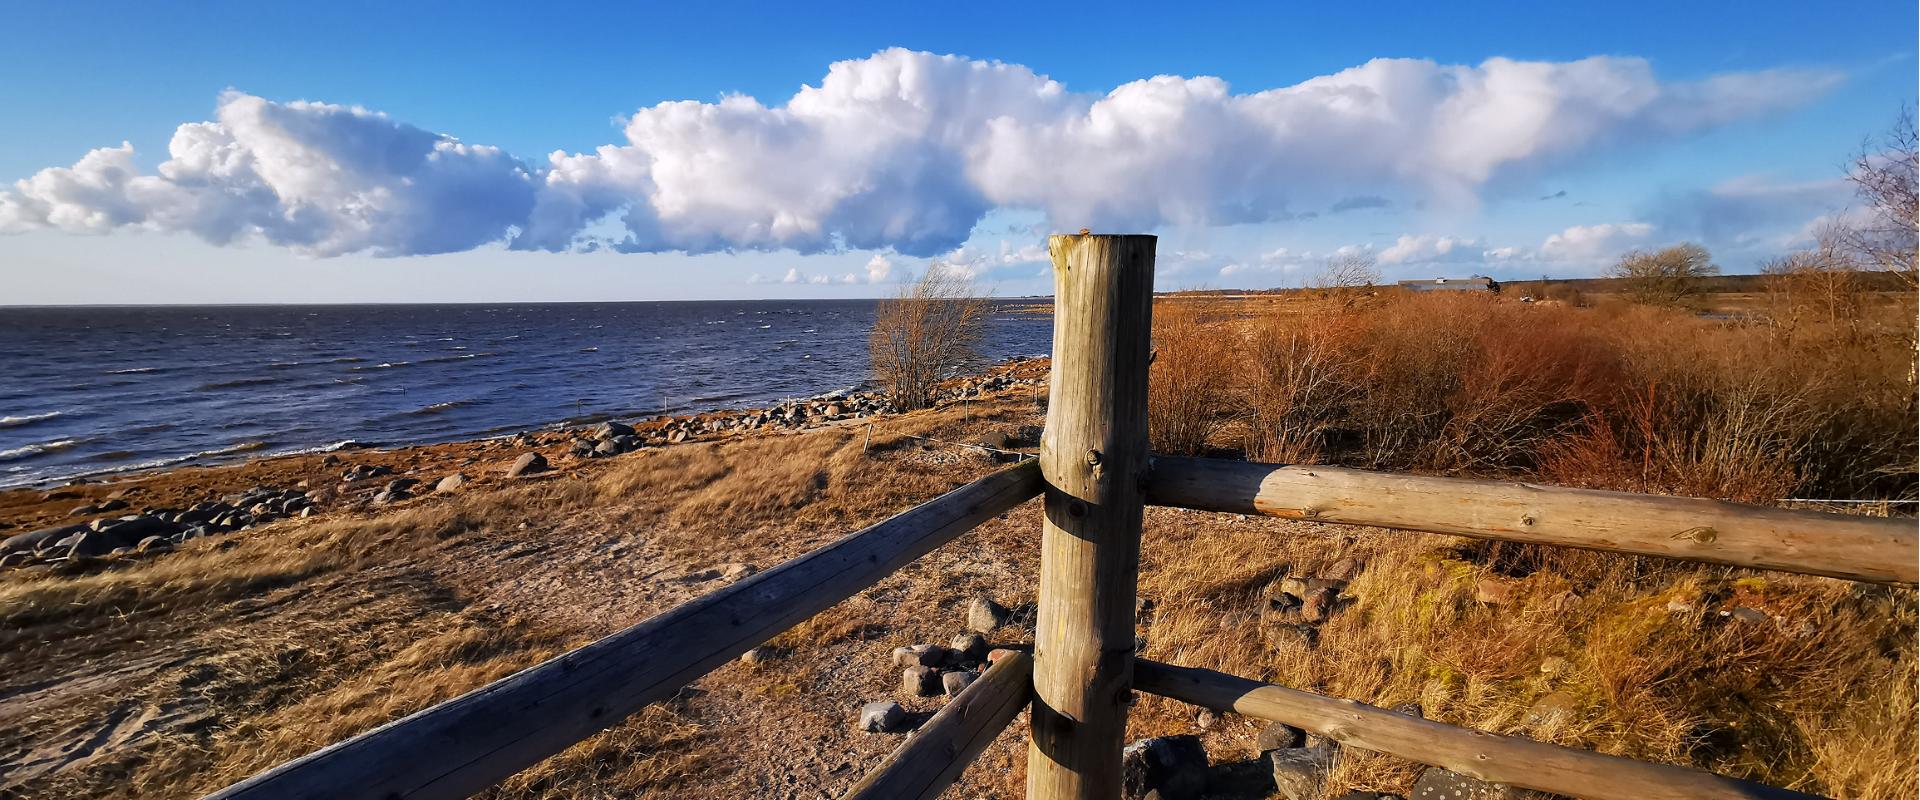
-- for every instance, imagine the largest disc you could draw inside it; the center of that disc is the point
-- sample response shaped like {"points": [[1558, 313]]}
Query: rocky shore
{"points": [[86, 525]]}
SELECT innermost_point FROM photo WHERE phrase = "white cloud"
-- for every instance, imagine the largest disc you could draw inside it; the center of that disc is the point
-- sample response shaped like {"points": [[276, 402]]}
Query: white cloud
{"points": [[1427, 249], [794, 276], [902, 150], [879, 269], [1594, 243]]}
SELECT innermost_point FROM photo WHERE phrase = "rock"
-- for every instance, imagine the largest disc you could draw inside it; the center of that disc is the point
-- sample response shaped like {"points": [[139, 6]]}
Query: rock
{"points": [[389, 496], [402, 484], [92, 543], [1439, 784], [14, 560], [920, 681], [1367, 796], [153, 544], [734, 572], [1279, 736], [1682, 605], [133, 529], [452, 483], [1300, 773], [953, 683], [1553, 708], [883, 716], [968, 647], [920, 655], [1207, 719], [1318, 605], [1164, 768], [34, 540], [1493, 592], [1291, 636], [1744, 614], [994, 655], [527, 464], [754, 657], [610, 429], [584, 448], [1293, 587], [1554, 665], [984, 615], [1345, 569], [1409, 709]]}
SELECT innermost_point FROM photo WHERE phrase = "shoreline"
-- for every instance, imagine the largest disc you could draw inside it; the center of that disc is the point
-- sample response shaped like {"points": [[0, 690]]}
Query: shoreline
{"points": [[143, 511]]}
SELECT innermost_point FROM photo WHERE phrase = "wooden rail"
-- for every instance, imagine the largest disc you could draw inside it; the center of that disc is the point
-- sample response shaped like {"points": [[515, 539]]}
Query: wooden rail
{"points": [[1477, 754], [933, 758], [1871, 549], [473, 741]]}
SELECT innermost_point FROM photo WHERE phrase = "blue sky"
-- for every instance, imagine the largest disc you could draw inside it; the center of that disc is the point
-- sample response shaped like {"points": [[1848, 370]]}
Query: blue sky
{"points": [[1720, 122]]}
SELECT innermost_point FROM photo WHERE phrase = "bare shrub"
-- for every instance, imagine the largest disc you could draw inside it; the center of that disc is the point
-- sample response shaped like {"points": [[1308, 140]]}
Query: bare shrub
{"points": [[1301, 378], [1192, 367], [1665, 277], [924, 333]]}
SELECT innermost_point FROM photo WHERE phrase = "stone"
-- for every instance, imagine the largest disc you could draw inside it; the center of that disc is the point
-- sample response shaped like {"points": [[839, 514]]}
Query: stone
{"points": [[1554, 665], [968, 647], [1368, 796], [754, 657], [920, 655], [1409, 709], [994, 656], [154, 544], [1744, 614], [920, 681], [91, 543], [527, 464], [610, 429], [452, 483], [1439, 784], [402, 484], [1294, 587], [133, 529], [884, 716], [389, 496], [1164, 768], [1318, 605], [1345, 569], [1493, 592], [14, 560], [953, 683], [1300, 773], [34, 540], [1279, 736], [734, 572], [1207, 719], [1681, 605], [1553, 708], [984, 615]]}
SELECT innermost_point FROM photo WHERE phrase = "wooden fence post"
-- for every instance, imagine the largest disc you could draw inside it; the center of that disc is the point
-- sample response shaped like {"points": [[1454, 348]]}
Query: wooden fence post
{"points": [[1094, 459]]}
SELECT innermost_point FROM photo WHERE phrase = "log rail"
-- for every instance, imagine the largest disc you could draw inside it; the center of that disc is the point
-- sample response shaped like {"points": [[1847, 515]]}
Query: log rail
{"points": [[1096, 474]]}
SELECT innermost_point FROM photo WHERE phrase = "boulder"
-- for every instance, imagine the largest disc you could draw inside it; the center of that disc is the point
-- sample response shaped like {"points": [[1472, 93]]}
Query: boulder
{"points": [[527, 464], [1345, 569], [452, 483], [953, 683], [920, 681], [1553, 708], [34, 540], [91, 544], [1300, 773], [133, 529], [154, 544], [402, 484], [1279, 736], [984, 615], [1318, 605], [1164, 768], [610, 429], [389, 496], [920, 655], [968, 647], [1493, 592], [884, 716]]}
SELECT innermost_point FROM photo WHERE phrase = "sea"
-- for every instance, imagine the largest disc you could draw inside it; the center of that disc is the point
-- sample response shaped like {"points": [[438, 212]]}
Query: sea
{"points": [[97, 390]]}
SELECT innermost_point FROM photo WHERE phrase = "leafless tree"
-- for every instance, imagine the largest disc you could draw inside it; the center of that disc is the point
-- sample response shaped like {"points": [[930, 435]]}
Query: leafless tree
{"points": [[925, 332], [1349, 270], [1883, 173], [1665, 277]]}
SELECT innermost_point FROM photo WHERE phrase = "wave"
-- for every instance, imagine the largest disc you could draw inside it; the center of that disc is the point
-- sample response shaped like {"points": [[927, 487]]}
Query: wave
{"points": [[234, 384], [589, 349], [439, 407], [132, 371], [40, 448], [29, 419], [347, 360], [384, 365], [461, 357]]}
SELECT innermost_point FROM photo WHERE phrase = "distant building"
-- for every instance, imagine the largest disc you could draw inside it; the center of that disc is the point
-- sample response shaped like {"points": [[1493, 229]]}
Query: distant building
{"points": [[1477, 283]]}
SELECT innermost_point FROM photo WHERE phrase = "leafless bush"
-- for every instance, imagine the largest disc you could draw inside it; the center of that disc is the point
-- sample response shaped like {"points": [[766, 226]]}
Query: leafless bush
{"points": [[924, 333], [1186, 395], [1665, 277]]}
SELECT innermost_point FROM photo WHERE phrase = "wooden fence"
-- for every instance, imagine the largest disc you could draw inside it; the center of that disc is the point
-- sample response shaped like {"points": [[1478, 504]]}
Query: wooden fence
{"points": [[1096, 475]]}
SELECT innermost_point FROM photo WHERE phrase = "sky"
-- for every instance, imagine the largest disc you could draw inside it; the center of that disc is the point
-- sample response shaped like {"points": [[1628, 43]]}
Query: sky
{"points": [[376, 152]]}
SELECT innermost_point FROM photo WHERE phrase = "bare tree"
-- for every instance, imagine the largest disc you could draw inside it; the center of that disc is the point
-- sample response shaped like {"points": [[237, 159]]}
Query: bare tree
{"points": [[925, 332], [1349, 270], [1665, 277], [1883, 175]]}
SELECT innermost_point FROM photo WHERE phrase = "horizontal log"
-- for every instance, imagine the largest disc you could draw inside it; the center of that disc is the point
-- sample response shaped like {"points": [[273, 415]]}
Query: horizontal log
{"points": [[1872, 549], [1476, 754], [473, 741], [926, 764]]}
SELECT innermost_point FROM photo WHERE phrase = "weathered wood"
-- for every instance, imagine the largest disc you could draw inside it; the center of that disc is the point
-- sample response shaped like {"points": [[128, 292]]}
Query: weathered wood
{"points": [[1094, 456], [473, 741], [1871, 549], [1489, 757], [930, 761]]}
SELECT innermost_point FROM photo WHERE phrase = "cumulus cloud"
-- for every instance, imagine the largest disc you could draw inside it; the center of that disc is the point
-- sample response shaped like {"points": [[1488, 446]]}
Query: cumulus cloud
{"points": [[901, 150], [1593, 243], [879, 269], [1426, 249]]}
